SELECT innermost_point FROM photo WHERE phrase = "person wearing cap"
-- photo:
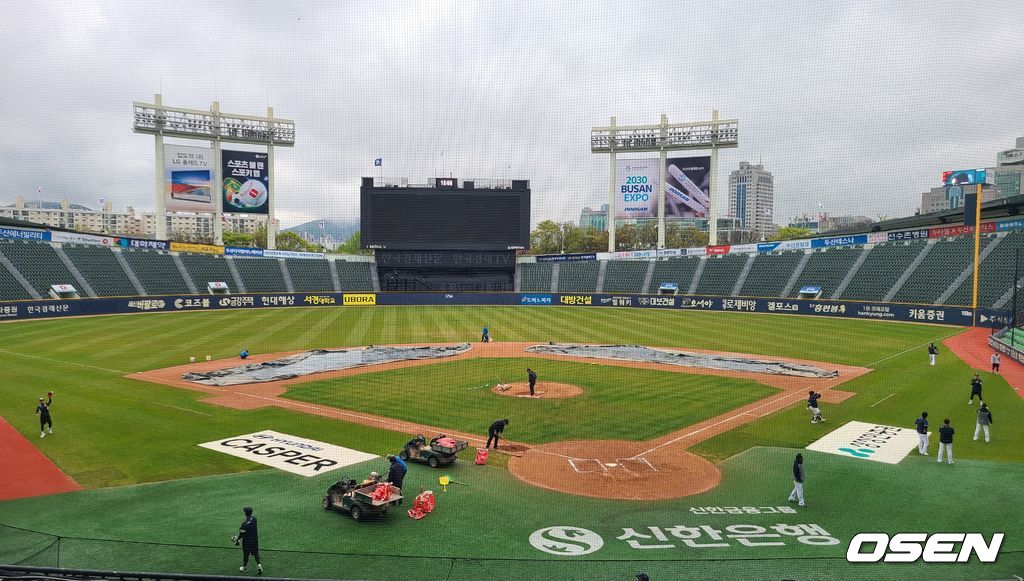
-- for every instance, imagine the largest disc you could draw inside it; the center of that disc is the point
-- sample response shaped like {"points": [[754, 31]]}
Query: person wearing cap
{"points": [[932, 352], [531, 375], [643, 577], [798, 480], [975, 390], [244, 354], [396, 474], [43, 411], [494, 432], [248, 536]]}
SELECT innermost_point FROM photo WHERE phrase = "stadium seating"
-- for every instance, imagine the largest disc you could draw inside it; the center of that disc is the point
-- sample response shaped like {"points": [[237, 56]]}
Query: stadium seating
{"points": [[625, 276], [948, 258], [770, 273], [310, 275], [995, 276], [535, 277], [677, 270], [720, 274], [260, 275], [578, 277], [10, 289], [354, 276], [883, 266], [157, 272], [827, 268], [39, 264], [101, 270], [205, 268]]}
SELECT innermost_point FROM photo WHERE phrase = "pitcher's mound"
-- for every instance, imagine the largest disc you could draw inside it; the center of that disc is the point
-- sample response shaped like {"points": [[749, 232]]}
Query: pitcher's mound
{"points": [[543, 390]]}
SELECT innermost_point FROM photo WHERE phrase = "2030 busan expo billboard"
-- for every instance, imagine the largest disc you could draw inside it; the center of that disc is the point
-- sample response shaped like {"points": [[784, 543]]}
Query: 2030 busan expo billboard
{"points": [[686, 188]]}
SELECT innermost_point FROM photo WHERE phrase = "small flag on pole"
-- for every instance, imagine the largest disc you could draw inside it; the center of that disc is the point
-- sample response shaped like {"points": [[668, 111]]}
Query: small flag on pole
{"points": [[378, 162], [322, 225]]}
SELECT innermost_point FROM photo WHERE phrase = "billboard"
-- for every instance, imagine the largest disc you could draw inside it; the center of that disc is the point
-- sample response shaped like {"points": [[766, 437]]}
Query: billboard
{"points": [[686, 188], [188, 179], [963, 177], [246, 182]]}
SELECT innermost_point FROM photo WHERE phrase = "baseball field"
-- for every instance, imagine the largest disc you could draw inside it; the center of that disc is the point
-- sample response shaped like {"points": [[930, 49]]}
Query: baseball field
{"points": [[709, 500]]}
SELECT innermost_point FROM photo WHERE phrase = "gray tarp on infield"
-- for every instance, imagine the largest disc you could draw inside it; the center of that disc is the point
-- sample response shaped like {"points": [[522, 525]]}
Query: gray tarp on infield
{"points": [[683, 358], [318, 361]]}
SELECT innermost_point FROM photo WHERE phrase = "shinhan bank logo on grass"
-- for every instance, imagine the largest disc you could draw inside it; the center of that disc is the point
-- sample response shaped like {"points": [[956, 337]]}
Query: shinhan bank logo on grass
{"points": [[872, 442], [859, 453]]}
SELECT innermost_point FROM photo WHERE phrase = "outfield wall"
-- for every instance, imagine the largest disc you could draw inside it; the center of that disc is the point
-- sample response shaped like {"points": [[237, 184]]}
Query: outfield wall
{"points": [[941, 315]]}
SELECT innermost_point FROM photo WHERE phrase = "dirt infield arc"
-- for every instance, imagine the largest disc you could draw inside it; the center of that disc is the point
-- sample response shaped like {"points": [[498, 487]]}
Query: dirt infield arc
{"points": [[657, 469]]}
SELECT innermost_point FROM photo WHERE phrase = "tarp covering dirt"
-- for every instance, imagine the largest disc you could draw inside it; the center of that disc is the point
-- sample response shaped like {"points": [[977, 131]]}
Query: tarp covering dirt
{"points": [[683, 358], [318, 361]]}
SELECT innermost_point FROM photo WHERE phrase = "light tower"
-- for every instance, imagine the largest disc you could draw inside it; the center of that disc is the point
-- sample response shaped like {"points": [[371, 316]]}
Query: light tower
{"points": [[665, 137], [216, 127]]}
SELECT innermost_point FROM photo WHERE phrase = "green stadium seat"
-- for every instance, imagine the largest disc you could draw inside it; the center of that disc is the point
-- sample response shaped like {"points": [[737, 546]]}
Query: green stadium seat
{"points": [[720, 274], [625, 276], [881, 269], [770, 273], [355, 276], [535, 277], [578, 277], [101, 270], [39, 264], [157, 272], [260, 275], [207, 268], [947, 259], [677, 270], [310, 275], [827, 268]]}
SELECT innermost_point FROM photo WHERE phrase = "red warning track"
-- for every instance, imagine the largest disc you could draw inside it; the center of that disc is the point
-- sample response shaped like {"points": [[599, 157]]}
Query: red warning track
{"points": [[972, 347], [35, 474]]}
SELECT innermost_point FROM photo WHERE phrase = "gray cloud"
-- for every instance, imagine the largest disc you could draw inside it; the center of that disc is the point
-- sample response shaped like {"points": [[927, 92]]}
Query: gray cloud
{"points": [[858, 104]]}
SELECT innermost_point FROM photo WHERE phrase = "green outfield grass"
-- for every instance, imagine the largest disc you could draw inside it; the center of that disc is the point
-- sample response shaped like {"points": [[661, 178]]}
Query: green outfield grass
{"points": [[482, 531], [451, 395], [113, 431]]}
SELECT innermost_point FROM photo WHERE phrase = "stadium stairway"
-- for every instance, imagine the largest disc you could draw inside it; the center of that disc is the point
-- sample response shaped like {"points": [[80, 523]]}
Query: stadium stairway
{"points": [[696, 276], [719, 275], [13, 285], [933, 279], [768, 276], [908, 272], [826, 268], [554, 278], [101, 269], [80, 282], [851, 273], [602, 270], [157, 272], [742, 278], [648, 275], [185, 276], [235, 275], [880, 270], [333, 269], [289, 285], [132, 277], [788, 289]]}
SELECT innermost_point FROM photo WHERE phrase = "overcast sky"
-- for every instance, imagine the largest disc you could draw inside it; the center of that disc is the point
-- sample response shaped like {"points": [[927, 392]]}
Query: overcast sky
{"points": [[855, 104]]}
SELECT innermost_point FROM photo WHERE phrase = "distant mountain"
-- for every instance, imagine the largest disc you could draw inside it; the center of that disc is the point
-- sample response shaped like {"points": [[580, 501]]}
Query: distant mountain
{"points": [[48, 205], [339, 230]]}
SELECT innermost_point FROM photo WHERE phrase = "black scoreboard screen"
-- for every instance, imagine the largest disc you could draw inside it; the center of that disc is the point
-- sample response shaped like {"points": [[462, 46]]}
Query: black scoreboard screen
{"points": [[445, 218]]}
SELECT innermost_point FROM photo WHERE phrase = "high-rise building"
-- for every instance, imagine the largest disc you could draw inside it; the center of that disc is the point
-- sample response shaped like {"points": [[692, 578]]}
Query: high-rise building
{"points": [[1009, 170], [597, 219], [752, 198]]}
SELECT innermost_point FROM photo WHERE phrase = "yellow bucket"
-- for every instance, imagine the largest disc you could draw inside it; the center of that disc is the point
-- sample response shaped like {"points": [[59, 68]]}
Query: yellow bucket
{"points": [[443, 481]]}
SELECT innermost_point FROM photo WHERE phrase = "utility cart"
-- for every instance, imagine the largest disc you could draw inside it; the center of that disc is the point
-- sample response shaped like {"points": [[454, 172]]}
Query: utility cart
{"points": [[440, 451], [347, 495]]}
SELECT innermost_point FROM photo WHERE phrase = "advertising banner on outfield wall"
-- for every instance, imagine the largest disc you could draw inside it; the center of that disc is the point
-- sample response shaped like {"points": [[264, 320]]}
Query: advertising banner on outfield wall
{"points": [[293, 254], [188, 179], [199, 248], [76, 238], [242, 251], [246, 187], [839, 241], [566, 257], [19, 234]]}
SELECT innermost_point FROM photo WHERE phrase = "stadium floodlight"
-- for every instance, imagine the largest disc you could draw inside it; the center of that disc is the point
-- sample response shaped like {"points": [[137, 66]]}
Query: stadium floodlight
{"points": [[214, 126], [664, 137]]}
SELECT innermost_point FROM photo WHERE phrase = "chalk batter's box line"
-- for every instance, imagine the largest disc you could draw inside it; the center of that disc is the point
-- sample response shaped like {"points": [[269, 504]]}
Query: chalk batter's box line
{"points": [[623, 461], [582, 461]]}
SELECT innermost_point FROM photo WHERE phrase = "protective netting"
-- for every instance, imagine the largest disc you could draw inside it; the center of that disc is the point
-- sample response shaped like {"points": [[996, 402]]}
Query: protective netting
{"points": [[318, 361], [682, 358]]}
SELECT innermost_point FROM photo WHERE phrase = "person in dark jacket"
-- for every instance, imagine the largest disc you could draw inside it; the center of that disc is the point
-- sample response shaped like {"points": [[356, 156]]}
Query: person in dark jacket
{"points": [[798, 480], [396, 474], [812, 405], [975, 390], [531, 375], [946, 440], [932, 352], [984, 421], [922, 434], [494, 432], [43, 411], [248, 536], [485, 335]]}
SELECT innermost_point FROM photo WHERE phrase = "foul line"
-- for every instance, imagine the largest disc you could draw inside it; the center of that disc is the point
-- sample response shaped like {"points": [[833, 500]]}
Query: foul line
{"points": [[64, 362], [881, 400], [184, 409], [783, 398]]}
